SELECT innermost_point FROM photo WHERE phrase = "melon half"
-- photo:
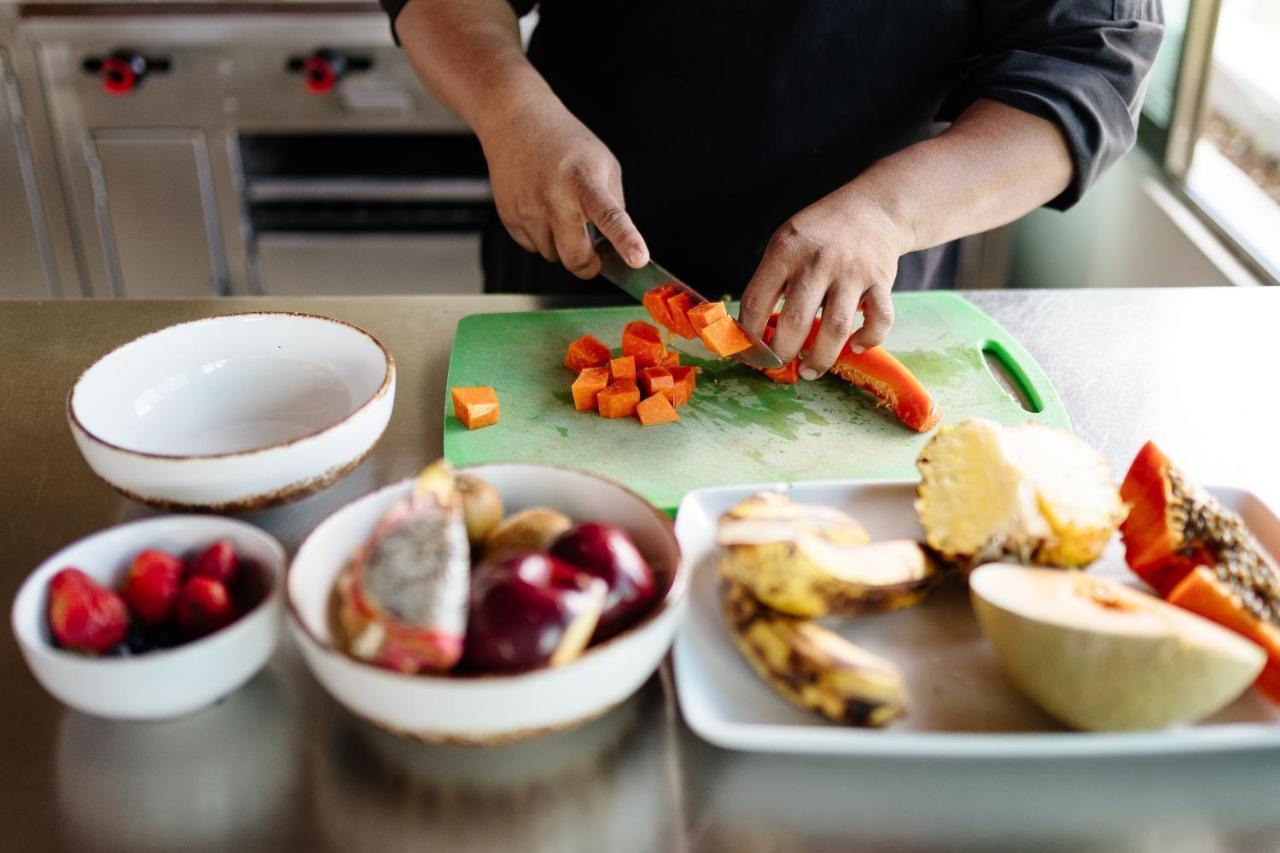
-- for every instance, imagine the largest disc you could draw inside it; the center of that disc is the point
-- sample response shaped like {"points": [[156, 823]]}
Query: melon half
{"points": [[1099, 655]]}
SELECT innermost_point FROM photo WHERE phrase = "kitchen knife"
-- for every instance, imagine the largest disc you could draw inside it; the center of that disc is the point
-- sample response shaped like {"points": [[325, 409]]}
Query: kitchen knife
{"points": [[638, 282]]}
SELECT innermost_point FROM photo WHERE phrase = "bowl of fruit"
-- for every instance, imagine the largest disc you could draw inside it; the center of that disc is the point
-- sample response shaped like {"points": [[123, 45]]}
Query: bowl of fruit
{"points": [[489, 605], [152, 619]]}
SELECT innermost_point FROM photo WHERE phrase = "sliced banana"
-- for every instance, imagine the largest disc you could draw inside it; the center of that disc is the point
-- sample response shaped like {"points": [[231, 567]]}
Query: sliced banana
{"points": [[814, 561]]}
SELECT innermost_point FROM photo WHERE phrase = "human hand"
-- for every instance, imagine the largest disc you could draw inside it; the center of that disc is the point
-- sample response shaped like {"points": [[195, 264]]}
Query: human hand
{"points": [[839, 254], [551, 176]]}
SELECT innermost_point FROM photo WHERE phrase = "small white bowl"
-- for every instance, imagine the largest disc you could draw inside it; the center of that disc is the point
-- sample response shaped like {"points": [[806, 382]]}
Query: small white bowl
{"points": [[162, 683], [232, 413], [488, 709]]}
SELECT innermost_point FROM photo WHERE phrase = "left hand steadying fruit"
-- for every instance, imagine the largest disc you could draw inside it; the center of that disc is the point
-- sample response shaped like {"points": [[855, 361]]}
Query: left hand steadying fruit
{"points": [[839, 254]]}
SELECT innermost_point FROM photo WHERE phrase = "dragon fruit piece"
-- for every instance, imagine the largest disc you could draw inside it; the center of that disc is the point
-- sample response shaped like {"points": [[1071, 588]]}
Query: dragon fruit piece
{"points": [[402, 600]]}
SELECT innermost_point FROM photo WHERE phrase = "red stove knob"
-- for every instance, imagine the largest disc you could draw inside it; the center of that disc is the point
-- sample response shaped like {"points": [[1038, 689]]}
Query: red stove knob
{"points": [[121, 73], [322, 70]]}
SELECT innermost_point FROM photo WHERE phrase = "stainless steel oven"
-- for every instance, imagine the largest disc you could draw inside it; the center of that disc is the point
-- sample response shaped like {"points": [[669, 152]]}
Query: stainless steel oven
{"points": [[278, 148]]}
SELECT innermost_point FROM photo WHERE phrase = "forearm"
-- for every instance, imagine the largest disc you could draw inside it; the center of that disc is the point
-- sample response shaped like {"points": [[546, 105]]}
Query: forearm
{"points": [[994, 164], [468, 54]]}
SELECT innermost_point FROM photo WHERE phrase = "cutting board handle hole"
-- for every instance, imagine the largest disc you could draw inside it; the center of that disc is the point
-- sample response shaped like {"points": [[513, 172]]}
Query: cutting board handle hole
{"points": [[1010, 376]]}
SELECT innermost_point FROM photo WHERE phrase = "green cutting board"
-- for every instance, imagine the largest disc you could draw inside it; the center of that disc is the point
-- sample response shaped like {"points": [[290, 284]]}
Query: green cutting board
{"points": [[740, 427]]}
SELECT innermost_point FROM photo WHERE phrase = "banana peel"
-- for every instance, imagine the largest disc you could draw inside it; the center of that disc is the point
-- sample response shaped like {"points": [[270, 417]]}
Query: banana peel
{"points": [[810, 665]]}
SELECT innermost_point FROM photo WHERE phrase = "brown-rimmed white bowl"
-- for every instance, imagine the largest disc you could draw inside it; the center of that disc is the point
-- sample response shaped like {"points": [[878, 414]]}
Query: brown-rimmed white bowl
{"points": [[162, 683], [487, 709], [234, 412]]}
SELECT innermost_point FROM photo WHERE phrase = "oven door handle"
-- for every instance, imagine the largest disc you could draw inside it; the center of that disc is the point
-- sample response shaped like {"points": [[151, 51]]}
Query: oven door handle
{"points": [[443, 190]]}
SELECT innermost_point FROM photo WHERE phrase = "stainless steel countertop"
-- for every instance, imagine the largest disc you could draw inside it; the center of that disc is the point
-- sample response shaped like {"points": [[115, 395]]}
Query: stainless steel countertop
{"points": [[280, 766]]}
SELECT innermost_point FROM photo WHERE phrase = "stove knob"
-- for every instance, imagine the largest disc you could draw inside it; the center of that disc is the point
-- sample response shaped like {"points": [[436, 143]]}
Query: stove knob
{"points": [[322, 70], [123, 70]]}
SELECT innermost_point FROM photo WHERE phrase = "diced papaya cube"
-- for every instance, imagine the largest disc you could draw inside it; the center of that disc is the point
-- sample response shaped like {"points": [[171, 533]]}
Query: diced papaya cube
{"points": [[655, 302], [475, 407], [671, 359], [685, 379], [658, 380], [705, 314], [590, 382], [724, 338], [619, 400], [656, 410], [622, 368], [788, 374], [678, 305], [643, 342], [586, 352]]}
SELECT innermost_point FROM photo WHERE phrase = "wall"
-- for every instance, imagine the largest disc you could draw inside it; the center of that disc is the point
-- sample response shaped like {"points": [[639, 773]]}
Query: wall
{"points": [[1126, 232]]}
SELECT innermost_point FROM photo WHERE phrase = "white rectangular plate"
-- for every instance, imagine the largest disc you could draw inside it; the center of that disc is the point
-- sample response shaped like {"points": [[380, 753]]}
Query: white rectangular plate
{"points": [[961, 705]]}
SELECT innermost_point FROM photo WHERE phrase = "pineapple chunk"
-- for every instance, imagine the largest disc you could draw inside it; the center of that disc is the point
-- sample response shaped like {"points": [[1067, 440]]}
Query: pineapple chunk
{"points": [[1030, 492], [974, 503], [1075, 492]]}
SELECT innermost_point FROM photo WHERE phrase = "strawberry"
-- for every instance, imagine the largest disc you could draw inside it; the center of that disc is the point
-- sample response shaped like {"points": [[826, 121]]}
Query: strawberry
{"points": [[151, 586], [204, 606], [218, 561], [85, 615]]}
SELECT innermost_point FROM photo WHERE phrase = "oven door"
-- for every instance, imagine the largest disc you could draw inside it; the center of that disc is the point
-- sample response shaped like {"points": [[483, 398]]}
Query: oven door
{"points": [[303, 264], [365, 213]]}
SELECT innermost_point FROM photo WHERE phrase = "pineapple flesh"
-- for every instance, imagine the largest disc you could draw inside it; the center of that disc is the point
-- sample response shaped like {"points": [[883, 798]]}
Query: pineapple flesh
{"points": [[1033, 493]]}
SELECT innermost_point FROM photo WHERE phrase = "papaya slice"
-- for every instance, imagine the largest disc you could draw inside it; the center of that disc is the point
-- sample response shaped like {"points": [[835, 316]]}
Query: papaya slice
{"points": [[590, 382], [476, 407], [1202, 592], [643, 342], [1157, 545], [672, 359], [724, 337], [656, 409], [586, 351], [622, 368], [619, 399], [875, 371], [678, 306]]}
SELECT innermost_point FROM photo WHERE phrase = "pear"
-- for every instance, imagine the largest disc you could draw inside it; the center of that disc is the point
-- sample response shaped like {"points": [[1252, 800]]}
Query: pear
{"points": [[1096, 654]]}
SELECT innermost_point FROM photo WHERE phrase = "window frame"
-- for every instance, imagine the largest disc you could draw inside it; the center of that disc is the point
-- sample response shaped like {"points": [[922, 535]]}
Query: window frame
{"points": [[1172, 147]]}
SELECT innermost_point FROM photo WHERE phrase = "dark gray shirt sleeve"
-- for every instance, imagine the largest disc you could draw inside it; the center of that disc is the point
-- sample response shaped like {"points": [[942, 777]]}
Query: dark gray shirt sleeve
{"points": [[1081, 64]]}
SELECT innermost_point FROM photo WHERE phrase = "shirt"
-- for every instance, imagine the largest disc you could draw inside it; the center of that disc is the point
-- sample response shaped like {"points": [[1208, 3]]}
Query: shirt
{"points": [[729, 117]]}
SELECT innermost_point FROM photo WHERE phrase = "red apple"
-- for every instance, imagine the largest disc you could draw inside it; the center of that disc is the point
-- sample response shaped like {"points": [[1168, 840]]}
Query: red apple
{"points": [[85, 615], [608, 553], [528, 611]]}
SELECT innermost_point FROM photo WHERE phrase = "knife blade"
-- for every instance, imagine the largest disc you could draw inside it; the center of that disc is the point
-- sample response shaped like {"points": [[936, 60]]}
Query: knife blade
{"points": [[637, 282]]}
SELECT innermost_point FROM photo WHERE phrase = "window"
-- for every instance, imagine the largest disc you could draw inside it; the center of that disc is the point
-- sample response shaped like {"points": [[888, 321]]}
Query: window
{"points": [[1212, 116]]}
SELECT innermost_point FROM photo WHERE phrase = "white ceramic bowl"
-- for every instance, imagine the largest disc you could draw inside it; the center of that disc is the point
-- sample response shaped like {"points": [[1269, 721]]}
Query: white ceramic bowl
{"points": [[235, 412], [491, 708], [161, 683]]}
